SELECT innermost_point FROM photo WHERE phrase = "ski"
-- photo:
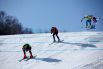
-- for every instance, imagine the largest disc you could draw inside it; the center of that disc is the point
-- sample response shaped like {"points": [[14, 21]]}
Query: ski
{"points": [[28, 58], [56, 42], [60, 41]]}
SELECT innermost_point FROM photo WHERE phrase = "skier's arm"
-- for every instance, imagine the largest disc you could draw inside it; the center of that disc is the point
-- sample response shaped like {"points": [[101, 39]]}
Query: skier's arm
{"points": [[83, 19], [98, 18], [51, 31]]}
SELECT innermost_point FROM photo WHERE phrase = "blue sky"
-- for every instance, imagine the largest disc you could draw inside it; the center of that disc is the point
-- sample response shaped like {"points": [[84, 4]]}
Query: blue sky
{"points": [[64, 14]]}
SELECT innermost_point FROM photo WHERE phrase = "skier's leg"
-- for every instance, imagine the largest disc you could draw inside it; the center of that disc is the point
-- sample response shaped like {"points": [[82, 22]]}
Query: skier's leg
{"points": [[29, 49], [54, 37], [87, 24], [24, 53], [31, 56], [90, 25], [58, 37], [93, 26]]}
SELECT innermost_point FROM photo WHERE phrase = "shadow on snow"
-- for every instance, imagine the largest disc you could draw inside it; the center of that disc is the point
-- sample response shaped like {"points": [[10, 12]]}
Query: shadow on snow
{"points": [[48, 59], [83, 45]]}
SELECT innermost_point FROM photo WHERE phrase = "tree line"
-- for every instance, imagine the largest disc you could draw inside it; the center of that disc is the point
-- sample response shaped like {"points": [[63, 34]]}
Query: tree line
{"points": [[10, 25]]}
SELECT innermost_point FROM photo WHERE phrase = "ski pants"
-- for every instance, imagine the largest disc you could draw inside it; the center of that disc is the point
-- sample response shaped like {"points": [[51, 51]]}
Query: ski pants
{"points": [[55, 34], [88, 23]]}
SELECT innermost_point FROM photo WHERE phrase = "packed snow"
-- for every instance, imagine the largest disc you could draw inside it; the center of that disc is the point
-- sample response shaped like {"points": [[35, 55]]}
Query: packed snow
{"points": [[79, 50]]}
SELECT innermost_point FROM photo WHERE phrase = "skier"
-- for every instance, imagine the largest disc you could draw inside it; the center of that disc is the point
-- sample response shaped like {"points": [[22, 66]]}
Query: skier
{"points": [[54, 31], [27, 47], [88, 20], [94, 21]]}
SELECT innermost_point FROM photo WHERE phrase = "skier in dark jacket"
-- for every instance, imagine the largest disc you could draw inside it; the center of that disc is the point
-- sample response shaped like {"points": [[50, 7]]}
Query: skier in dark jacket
{"points": [[54, 31], [95, 19], [27, 47]]}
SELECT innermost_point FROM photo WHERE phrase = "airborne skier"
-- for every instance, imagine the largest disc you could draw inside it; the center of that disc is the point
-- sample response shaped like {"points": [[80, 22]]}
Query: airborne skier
{"points": [[89, 19]]}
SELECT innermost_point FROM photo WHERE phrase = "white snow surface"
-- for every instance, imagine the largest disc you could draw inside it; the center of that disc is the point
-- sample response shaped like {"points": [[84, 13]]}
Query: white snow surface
{"points": [[79, 50]]}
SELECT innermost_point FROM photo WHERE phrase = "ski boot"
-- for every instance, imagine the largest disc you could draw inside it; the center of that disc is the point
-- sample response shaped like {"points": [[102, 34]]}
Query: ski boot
{"points": [[25, 57]]}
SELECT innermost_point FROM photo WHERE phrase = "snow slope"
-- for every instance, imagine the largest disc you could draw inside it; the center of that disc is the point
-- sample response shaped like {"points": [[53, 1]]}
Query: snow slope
{"points": [[79, 50]]}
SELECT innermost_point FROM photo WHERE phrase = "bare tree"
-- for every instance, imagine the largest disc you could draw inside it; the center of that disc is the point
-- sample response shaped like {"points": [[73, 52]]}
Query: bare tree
{"points": [[11, 25]]}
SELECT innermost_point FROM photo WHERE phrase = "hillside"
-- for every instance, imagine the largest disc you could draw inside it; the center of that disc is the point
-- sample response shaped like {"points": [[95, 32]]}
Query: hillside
{"points": [[79, 50]]}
